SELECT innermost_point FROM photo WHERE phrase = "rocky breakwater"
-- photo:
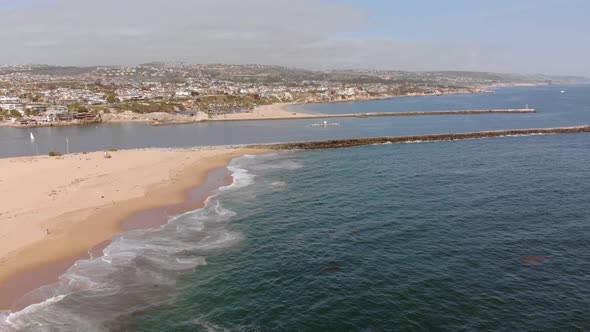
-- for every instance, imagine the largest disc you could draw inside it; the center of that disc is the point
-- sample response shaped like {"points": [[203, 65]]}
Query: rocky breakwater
{"points": [[347, 143]]}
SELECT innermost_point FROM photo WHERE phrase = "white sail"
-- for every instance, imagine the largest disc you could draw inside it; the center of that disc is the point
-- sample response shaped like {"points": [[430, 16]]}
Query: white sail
{"points": [[32, 137]]}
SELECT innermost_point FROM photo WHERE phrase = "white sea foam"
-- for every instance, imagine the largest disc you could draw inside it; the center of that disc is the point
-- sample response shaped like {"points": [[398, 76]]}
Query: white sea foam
{"points": [[416, 142], [241, 178], [278, 184], [136, 270], [15, 321]]}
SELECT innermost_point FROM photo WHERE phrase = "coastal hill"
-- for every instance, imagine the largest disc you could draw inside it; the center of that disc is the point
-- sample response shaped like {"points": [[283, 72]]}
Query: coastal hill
{"points": [[274, 74], [34, 95]]}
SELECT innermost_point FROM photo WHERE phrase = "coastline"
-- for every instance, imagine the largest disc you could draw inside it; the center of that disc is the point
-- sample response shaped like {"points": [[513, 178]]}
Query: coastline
{"points": [[282, 111], [49, 230], [278, 111], [302, 116]]}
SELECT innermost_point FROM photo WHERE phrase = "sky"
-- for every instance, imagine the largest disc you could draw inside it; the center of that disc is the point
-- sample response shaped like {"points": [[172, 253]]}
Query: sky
{"points": [[520, 36]]}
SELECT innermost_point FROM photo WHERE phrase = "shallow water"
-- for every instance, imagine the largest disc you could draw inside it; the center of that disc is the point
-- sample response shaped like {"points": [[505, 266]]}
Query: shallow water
{"points": [[138, 270]]}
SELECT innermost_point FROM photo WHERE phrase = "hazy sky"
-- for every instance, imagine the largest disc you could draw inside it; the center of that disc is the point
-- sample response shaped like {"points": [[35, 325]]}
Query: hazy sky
{"points": [[534, 36]]}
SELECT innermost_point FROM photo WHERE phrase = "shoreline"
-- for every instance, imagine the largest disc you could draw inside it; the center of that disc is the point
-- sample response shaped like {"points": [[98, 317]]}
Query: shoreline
{"points": [[281, 111], [79, 233], [307, 116], [277, 111], [481, 90], [31, 267]]}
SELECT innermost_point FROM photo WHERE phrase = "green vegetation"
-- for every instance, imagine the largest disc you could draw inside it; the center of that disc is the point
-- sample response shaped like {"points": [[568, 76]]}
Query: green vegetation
{"points": [[149, 107], [113, 150], [31, 113], [9, 114], [207, 104], [112, 98], [54, 154], [78, 108], [224, 102]]}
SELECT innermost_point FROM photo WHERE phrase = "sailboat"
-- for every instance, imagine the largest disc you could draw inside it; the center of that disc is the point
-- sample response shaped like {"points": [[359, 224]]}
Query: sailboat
{"points": [[32, 137], [325, 124]]}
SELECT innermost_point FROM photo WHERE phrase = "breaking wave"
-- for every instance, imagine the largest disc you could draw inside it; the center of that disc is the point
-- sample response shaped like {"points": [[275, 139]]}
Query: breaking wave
{"points": [[138, 270]]}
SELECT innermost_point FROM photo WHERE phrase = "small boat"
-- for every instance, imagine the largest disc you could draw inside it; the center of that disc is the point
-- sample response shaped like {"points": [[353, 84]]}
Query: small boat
{"points": [[325, 124], [32, 137], [562, 91]]}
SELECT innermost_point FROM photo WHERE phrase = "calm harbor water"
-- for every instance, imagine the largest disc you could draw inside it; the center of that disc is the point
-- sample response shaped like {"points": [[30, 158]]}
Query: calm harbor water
{"points": [[485, 235], [555, 109]]}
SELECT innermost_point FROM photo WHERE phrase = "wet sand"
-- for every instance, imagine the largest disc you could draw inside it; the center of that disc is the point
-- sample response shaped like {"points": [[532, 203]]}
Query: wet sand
{"points": [[156, 184]]}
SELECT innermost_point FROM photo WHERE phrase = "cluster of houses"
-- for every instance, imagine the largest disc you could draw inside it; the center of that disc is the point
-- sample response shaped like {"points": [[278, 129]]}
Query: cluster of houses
{"points": [[40, 115]]}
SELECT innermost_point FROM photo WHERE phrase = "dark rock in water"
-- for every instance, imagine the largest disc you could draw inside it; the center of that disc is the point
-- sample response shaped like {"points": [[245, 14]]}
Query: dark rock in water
{"points": [[535, 260], [355, 232], [373, 329], [331, 269]]}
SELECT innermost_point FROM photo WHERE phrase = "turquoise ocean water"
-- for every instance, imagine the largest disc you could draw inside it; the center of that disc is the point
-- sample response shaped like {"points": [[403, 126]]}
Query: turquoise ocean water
{"points": [[422, 237], [477, 235]]}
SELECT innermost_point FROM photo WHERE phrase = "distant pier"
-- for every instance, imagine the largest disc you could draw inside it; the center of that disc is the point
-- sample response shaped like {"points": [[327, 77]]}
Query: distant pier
{"points": [[304, 116], [457, 112], [347, 143]]}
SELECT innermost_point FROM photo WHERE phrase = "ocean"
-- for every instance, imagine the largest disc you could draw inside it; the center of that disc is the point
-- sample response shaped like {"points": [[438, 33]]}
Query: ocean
{"points": [[484, 234], [420, 237]]}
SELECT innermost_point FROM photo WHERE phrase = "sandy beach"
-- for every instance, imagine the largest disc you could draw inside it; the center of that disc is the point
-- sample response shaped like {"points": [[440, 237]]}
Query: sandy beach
{"points": [[55, 209], [274, 111]]}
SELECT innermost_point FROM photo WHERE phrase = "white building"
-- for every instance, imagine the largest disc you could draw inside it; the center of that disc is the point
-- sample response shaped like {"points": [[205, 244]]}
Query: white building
{"points": [[8, 99], [57, 109], [57, 112], [182, 93], [37, 107], [13, 107]]}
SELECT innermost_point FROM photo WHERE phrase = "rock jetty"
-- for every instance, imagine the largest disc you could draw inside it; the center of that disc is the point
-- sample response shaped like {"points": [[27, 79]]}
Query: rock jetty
{"points": [[347, 143]]}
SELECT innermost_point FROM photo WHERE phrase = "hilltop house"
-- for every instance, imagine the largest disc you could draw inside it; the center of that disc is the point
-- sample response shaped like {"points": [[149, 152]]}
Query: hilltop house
{"points": [[37, 108], [14, 107], [58, 112]]}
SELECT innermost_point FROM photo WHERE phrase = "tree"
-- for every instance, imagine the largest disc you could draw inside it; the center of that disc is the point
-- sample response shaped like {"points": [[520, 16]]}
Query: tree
{"points": [[31, 112], [78, 108], [14, 114], [112, 98]]}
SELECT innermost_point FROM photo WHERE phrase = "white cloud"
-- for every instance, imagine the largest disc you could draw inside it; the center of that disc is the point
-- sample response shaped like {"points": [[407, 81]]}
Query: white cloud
{"points": [[285, 32]]}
